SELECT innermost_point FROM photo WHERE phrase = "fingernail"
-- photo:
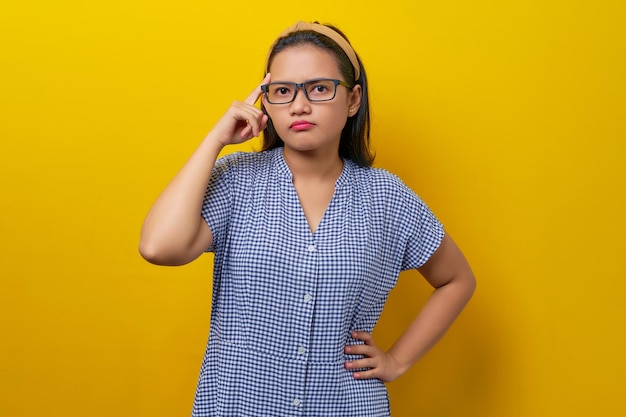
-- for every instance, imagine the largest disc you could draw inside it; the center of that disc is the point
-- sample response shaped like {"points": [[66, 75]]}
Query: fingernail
{"points": [[348, 349]]}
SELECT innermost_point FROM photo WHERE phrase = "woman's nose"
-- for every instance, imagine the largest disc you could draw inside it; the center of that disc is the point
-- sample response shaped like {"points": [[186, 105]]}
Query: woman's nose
{"points": [[300, 103]]}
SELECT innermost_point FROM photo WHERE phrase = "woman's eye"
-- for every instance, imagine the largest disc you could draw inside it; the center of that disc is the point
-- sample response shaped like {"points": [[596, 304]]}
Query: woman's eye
{"points": [[319, 88], [282, 91]]}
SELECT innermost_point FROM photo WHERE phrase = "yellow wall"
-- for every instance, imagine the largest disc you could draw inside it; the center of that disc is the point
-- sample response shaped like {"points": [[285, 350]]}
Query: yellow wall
{"points": [[507, 117]]}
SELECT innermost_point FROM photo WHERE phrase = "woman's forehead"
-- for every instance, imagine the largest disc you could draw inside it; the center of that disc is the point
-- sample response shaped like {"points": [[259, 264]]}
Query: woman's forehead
{"points": [[303, 62]]}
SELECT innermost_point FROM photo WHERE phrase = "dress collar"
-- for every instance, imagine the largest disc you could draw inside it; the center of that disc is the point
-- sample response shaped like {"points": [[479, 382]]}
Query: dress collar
{"points": [[284, 171]]}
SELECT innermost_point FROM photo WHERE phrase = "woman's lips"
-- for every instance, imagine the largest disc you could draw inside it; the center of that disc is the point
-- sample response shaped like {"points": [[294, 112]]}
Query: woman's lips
{"points": [[301, 125]]}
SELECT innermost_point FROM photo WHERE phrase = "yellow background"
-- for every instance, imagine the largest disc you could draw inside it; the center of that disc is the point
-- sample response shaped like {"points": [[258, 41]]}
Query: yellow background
{"points": [[506, 117]]}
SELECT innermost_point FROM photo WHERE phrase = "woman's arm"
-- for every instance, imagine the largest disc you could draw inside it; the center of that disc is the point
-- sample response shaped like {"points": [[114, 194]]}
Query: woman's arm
{"points": [[174, 232], [449, 273]]}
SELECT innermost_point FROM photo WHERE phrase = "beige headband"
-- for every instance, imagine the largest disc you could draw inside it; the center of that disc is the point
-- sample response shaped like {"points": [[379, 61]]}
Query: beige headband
{"points": [[326, 31]]}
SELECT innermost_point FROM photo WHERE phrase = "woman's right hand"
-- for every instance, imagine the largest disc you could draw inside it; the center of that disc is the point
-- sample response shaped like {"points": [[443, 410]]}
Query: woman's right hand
{"points": [[242, 121]]}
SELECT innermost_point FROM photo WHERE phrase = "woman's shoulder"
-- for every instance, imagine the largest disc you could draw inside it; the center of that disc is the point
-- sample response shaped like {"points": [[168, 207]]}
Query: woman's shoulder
{"points": [[378, 178], [248, 157], [247, 161]]}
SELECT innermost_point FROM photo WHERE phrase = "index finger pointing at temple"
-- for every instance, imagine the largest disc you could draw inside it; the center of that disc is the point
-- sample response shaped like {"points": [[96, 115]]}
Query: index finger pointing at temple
{"points": [[254, 96]]}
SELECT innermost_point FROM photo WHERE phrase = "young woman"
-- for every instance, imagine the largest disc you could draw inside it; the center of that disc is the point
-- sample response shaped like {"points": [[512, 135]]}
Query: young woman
{"points": [[308, 239]]}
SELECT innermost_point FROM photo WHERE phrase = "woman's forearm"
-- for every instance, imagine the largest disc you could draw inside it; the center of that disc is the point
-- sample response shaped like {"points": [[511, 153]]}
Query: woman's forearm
{"points": [[435, 318]]}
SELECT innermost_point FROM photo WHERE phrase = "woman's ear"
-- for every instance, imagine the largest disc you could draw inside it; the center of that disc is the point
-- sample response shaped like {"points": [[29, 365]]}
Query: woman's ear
{"points": [[354, 100]]}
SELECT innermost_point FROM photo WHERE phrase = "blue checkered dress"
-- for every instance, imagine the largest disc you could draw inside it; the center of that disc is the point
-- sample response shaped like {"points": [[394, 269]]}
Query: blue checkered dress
{"points": [[285, 300]]}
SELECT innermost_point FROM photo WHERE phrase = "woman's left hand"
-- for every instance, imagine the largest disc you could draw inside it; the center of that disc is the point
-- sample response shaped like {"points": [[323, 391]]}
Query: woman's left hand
{"points": [[377, 363]]}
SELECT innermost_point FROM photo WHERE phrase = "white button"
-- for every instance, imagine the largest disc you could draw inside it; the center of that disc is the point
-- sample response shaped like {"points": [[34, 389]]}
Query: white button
{"points": [[311, 248], [301, 350], [307, 297], [296, 402]]}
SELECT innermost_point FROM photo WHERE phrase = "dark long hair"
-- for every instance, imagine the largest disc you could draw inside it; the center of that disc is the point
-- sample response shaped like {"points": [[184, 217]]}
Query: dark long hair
{"points": [[355, 136]]}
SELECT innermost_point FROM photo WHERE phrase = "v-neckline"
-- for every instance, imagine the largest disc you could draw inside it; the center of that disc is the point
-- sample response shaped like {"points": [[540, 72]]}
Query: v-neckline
{"points": [[338, 182], [303, 213]]}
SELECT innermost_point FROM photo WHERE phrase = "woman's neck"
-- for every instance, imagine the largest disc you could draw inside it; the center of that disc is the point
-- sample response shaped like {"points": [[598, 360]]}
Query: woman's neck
{"points": [[313, 164]]}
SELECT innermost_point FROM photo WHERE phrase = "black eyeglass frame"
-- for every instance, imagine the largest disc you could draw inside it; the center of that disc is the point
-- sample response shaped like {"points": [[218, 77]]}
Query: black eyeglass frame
{"points": [[265, 87]]}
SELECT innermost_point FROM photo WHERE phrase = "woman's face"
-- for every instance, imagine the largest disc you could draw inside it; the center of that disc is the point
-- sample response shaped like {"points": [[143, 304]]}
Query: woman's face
{"points": [[301, 124]]}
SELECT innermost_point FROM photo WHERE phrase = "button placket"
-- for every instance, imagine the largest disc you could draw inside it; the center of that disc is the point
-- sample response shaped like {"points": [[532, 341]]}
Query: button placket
{"points": [[304, 313]]}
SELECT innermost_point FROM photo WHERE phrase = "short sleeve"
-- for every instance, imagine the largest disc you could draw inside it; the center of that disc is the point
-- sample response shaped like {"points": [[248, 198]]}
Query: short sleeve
{"points": [[425, 232], [218, 201]]}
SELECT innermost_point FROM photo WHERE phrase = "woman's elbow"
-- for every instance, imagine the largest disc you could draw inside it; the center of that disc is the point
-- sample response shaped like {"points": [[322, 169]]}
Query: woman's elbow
{"points": [[159, 254], [469, 283], [150, 252]]}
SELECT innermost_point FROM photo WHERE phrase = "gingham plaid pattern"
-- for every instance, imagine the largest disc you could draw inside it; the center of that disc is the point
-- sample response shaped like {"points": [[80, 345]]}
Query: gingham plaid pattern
{"points": [[285, 300]]}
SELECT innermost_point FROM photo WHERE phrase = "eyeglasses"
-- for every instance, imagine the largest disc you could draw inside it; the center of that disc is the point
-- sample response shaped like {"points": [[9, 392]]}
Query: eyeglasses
{"points": [[319, 89]]}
